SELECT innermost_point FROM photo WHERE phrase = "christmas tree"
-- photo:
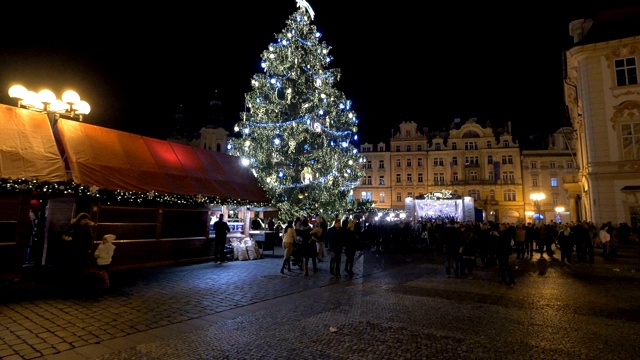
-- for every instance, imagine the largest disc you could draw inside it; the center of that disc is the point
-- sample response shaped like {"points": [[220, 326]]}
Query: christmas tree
{"points": [[298, 133]]}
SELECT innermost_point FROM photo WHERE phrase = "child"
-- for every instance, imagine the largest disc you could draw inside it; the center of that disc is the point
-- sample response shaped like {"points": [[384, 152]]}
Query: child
{"points": [[103, 255]]}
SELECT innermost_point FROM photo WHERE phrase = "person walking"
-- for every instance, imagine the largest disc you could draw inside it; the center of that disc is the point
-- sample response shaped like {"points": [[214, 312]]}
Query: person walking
{"points": [[104, 256], [350, 243], [220, 229], [309, 250], [468, 251], [605, 237], [565, 241], [521, 234], [334, 244], [77, 241], [503, 253], [287, 245], [451, 240], [322, 223]]}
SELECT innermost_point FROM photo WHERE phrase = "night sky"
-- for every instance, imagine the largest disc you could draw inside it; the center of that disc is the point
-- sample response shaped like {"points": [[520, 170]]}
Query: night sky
{"points": [[138, 67]]}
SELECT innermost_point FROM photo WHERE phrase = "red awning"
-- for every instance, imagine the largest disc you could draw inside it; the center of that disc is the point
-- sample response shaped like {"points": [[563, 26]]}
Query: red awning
{"points": [[27, 147], [116, 160]]}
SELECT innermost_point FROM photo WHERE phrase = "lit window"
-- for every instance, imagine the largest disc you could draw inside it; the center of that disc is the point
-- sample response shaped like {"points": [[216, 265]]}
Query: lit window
{"points": [[554, 182]]}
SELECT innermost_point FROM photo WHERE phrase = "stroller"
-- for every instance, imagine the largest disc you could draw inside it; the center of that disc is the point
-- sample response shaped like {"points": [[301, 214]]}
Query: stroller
{"points": [[297, 256]]}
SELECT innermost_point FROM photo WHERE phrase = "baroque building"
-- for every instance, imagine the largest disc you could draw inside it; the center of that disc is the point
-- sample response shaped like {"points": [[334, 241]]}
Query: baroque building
{"points": [[602, 96], [479, 162]]}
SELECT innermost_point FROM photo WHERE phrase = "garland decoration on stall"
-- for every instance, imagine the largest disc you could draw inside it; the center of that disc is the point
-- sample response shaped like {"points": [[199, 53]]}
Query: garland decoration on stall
{"points": [[70, 187]]}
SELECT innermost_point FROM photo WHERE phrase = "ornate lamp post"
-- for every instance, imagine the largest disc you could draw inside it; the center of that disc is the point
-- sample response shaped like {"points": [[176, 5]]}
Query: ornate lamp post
{"points": [[70, 107], [537, 203]]}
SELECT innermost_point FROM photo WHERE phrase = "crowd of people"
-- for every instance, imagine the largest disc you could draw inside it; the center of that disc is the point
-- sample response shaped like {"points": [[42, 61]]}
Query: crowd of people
{"points": [[464, 245]]}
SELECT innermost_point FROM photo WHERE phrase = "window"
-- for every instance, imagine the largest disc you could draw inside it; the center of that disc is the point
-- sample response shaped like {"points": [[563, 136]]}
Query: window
{"points": [[455, 176], [438, 146], [368, 180], [475, 194], [408, 147], [491, 176], [454, 146], [381, 198], [626, 71], [381, 180], [505, 144], [489, 145], [397, 148], [552, 164], [398, 178], [454, 160], [554, 200], [398, 164], [492, 195], [471, 160], [534, 182], [473, 175], [508, 177], [490, 159], [554, 182], [380, 164], [534, 164], [409, 178], [410, 194], [366, 195], [438, 178], [420, 179], [509, 195], [368, 164], [471, 145], [409, 162], [438, 161], [419, 147], [398, 196], [630, 133], [569, 164], [507, 159], [419, 161]]}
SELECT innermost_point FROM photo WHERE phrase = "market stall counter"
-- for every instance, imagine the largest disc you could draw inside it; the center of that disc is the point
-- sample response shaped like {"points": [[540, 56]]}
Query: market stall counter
{"points": [[266, 240]]}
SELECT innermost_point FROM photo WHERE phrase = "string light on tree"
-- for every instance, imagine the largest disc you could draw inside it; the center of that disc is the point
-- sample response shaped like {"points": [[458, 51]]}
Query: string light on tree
{"points": [[299, 131]]}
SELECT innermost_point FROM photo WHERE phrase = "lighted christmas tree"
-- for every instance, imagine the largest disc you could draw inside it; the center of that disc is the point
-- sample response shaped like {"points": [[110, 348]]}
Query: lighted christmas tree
{"points": [[299, 132]]}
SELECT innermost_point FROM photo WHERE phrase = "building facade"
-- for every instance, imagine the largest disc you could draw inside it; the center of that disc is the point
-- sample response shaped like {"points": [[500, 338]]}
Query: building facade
{"points": [[376, 184], [408, 164], [552, 172], [475, 161], [602, 95]]}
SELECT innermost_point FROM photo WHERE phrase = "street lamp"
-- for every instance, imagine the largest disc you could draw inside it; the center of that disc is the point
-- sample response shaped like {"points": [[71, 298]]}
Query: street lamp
{"points": [[70, 107], [537, 200]]}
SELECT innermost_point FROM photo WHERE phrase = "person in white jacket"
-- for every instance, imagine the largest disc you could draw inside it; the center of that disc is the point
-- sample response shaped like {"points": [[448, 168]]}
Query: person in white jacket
{"points": [[104, 256]]}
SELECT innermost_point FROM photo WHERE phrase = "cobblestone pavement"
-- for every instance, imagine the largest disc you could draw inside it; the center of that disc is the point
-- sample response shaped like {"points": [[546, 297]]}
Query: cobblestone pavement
{"points": [[397, 306]]}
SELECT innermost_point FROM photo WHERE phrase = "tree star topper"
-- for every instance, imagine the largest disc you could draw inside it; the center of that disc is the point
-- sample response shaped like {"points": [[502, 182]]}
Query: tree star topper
{"points": [[304, 3]]}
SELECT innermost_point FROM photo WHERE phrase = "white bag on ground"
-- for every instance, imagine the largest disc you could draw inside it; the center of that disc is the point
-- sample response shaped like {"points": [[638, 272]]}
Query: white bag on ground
{"points": [[242, 252], [251, 249]]}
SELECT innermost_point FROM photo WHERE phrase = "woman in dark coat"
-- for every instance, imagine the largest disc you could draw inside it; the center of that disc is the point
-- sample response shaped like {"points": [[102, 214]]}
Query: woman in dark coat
{"points": [[76, 250], [309, 251]]}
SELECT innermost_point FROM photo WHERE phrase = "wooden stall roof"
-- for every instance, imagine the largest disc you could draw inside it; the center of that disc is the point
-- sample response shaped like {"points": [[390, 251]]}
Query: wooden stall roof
{"points": [[116, 160], [27, 147]]}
